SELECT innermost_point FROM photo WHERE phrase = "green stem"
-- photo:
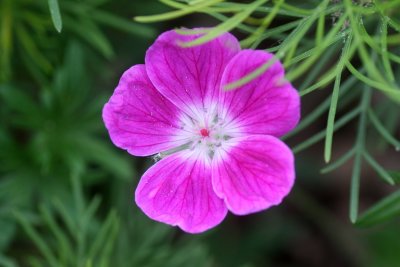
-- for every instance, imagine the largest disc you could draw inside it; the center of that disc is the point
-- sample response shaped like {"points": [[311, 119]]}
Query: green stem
{"points": [[359, 147], [335, 99]]}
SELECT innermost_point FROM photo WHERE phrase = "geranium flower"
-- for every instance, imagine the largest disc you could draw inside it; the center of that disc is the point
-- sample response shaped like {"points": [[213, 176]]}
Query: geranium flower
{"points": [[219, 149]]}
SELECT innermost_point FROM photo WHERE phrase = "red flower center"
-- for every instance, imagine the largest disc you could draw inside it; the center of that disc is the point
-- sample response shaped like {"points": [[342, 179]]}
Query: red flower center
{"points": [[204, 132]]}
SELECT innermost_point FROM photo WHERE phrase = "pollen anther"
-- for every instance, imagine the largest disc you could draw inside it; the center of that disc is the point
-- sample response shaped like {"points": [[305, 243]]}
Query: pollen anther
{"points": [[204, 132]]}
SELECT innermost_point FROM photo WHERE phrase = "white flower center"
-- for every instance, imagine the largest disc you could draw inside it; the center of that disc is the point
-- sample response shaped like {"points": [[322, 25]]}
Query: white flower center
{"points": [[207, 131], [204, 133]]}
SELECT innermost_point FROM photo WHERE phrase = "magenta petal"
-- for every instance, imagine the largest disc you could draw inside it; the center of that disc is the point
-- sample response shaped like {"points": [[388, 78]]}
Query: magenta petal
{"points": [[256, 173], [138, 118], [189, 77], [265, 105], [177, 190]]}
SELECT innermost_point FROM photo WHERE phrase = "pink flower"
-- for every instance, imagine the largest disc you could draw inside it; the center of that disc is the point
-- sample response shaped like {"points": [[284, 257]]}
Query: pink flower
{"points": [[220, 149]]}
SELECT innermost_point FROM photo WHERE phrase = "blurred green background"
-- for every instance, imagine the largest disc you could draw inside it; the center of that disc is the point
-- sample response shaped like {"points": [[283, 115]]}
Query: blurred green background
{"points": [[66, 193]]}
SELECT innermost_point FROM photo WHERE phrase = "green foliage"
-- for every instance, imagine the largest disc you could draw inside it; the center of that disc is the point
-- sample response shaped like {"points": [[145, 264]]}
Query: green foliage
{"points": [[55, 14], [65, 135], [382, 211], [73, 236], [84, 243]]}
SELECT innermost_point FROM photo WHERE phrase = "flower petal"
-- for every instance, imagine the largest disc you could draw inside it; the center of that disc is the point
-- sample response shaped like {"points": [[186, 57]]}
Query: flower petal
{"points": [[178, 191], [139, 119], [189, 77], [254, 174], [265, 105]]}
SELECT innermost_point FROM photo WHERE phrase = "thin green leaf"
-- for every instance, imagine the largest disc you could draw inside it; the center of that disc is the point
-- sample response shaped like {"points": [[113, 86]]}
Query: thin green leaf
{"points": [[264, 25], [90, 32], [295, 9], [6, 39], [360, 143], [30, 47], [311, 52], [66, 216], [109, 244], [393, 57], [41, 244], [297, 34], [382, 130], [355, 188], [55, 14], [384, 210], [64, 245], [91, 210], [103, 235], [6, 262], [293, 38], [177, 13], [395, 25], [319, 136], [318, 67], [225, 26], [334, 35], [251, 76], [320, 29], [241, 26], [208, 10], [320, 109], [99, 152], [77, 193], [396, 176], [273, 31], [35, 262], [326, 79], [335, 99], [121, 24], [384, 52], [391, 92], [18, 100], [327, 10], [378, 168], [339, 162], [372, 70]]}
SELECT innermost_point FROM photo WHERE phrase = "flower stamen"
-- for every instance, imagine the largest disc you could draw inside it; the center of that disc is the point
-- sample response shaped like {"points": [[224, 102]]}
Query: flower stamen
{"points": [[204, 132]]}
